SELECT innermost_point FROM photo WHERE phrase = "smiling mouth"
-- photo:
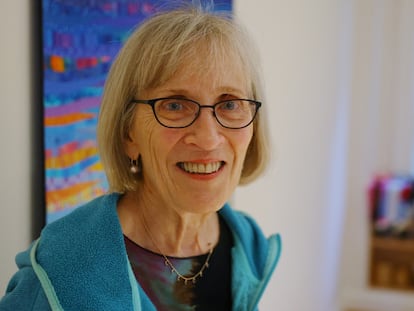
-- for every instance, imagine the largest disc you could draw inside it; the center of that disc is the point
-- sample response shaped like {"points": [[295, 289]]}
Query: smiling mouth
{"points": [[200, 168]]}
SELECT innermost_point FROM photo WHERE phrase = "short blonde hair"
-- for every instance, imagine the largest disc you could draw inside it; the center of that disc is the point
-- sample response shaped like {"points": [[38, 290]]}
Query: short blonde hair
{"points": [[151, 55]]}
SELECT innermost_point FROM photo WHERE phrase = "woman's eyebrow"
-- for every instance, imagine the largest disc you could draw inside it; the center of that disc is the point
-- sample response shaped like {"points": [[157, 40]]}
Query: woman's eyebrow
{"points": [[221, 91]]}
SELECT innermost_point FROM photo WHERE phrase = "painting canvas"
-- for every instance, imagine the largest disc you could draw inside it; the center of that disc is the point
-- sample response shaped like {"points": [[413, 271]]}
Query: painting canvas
{"points": [[80, 39]]}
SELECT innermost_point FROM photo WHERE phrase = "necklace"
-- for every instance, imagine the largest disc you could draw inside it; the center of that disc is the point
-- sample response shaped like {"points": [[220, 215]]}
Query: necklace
{"points": [[186, 279]]}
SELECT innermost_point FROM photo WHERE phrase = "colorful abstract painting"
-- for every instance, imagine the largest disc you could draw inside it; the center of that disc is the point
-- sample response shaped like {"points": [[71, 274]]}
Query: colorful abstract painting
{"points": [[80, 40]]}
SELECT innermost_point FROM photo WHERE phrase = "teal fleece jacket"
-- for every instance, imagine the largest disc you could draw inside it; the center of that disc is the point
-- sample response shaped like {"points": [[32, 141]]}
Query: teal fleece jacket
{"points": [[80, 263]]}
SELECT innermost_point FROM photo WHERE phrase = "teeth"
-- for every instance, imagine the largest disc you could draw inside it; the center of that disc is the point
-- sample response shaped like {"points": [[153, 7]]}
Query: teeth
{"points": [[200, 168]]}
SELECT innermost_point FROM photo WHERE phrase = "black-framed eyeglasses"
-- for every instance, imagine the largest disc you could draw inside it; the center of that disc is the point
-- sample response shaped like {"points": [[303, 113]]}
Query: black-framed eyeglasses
{"points": [[182, 112]]}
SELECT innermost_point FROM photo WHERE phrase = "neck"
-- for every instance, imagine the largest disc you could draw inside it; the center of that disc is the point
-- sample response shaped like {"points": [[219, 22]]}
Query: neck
{"points": [[166, 230]]}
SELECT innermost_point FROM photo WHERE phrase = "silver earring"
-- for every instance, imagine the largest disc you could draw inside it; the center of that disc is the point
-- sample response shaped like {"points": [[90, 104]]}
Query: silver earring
{"points": [[134, 166]]}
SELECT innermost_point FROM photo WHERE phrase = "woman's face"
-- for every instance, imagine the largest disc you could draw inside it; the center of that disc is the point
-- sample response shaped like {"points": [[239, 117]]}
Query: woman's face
{"points": [[169, 154]]}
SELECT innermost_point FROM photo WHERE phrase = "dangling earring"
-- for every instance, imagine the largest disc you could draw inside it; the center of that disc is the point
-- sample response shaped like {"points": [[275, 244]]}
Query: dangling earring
{"points": [[135, 165]]}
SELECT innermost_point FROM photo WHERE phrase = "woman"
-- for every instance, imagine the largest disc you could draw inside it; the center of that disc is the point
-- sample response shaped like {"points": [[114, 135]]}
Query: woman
{"points": [[179, 129]]}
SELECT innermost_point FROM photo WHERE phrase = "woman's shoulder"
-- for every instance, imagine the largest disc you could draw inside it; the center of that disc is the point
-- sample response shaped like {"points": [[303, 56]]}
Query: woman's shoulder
{"points": [[82, 231], [76, 244]]}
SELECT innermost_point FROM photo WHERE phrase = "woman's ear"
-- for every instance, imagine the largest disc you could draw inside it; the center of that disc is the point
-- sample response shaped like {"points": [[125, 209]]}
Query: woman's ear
{"points": [[131, 147]]}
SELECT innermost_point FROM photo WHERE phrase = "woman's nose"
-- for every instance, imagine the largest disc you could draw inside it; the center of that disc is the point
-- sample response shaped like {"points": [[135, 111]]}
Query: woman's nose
{"points": [[206, 132]]}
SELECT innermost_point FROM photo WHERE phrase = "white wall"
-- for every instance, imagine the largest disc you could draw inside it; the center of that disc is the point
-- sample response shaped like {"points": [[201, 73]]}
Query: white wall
{"points": [[328, 65], [15, 166], [306, 51]]}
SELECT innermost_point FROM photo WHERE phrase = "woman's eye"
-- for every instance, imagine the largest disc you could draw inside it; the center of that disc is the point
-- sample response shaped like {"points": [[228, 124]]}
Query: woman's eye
{"points": [[229, 105], [173, 106]]}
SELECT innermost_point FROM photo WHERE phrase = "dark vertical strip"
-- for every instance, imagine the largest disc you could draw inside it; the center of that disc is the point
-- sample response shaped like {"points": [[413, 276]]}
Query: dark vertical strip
{"points": [[38, 200]]}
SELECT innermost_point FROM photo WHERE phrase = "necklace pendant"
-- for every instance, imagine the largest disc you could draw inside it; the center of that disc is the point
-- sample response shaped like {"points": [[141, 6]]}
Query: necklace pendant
{"points": [[168, 263]]}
